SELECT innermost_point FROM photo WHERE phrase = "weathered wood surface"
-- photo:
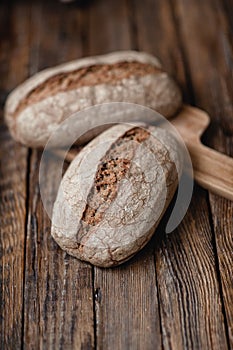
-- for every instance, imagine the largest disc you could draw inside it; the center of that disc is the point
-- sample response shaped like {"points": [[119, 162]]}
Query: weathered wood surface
{"points": [[178, 292], [14, 52], [58, 299]]}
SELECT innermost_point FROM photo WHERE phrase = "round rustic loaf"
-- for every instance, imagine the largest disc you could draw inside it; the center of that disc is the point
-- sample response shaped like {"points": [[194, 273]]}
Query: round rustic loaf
{"points": [[35, 108], [115, 192]]}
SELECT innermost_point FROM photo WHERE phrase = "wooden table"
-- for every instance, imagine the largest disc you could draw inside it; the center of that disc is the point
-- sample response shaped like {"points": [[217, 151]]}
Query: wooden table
{"points": [[178, 292]]}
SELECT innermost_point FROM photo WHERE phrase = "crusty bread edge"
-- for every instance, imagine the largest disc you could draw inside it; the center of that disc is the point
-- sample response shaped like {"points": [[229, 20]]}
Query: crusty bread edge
{"points": [[24, 89], [64, 241]]}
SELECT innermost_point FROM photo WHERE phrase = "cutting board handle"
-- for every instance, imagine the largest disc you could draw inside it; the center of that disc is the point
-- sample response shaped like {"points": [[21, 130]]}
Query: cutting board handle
{"points": [[212, 170]]}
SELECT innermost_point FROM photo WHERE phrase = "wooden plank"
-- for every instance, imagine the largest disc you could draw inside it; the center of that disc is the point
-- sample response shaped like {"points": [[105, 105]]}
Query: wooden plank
{"points": [[126, 305], [127, 314], [14, 52], [157, 34], [190, 304], [58, 291], [58, 310], [223, 227], [108, 27], [188, 287], [210, 55]]}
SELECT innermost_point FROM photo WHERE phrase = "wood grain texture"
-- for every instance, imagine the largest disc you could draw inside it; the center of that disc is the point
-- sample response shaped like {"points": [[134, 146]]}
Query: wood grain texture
{"points": [[210, 51], [14, 50], [207, 163], [177, 293], [126, 305], [108, 27], [188, 315], [58, 310], [188, 287], [157, 34]]}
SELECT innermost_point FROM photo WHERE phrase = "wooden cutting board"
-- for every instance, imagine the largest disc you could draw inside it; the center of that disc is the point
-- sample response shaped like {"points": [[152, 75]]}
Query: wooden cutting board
{"points": [[212, 170]]}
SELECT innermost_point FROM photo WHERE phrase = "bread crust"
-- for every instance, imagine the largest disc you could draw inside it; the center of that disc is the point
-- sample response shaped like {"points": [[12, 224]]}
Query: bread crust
{"points": [[107, 225], [33, 124]]}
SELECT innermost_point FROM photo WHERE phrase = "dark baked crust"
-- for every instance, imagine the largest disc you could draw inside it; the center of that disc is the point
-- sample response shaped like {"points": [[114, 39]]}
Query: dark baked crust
{"points": [[86, 76]]}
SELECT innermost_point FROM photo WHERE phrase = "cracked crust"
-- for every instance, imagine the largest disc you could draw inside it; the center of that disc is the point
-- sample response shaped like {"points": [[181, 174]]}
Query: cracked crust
{"points": [[35, 108], [97, 74], [115, 192]]}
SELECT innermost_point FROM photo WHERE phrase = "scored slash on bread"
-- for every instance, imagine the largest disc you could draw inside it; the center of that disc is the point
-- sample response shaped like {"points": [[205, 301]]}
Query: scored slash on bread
{"points": [[115, 192]]}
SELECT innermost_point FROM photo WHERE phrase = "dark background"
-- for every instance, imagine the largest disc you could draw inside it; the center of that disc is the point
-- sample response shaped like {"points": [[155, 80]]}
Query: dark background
{"points": [[175, 294]]}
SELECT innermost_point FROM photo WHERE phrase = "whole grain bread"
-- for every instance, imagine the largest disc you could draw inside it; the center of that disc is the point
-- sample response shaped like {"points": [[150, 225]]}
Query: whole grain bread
{"points": [[115, 192], [36, 107]]}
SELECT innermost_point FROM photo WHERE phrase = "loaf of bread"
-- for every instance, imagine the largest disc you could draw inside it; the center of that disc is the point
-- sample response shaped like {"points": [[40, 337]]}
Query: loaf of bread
{"points": [[115, 192], [36, 107]]}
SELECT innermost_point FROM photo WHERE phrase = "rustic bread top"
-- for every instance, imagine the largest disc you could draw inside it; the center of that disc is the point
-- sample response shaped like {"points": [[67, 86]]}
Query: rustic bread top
{"points": [[37, 107], [87, 76], [115, 192], [26, 88]]}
